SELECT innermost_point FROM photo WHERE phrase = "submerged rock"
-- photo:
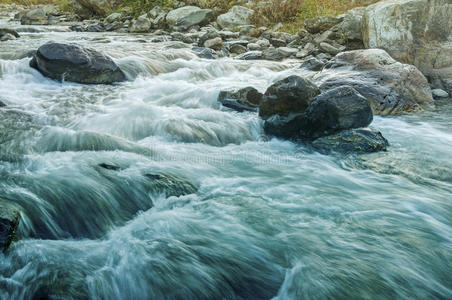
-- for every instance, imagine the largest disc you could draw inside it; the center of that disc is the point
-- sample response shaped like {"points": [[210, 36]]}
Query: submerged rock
{"points": [[336, 110], [170, 185], [291, 95], [361, 140], [246, 99], [72, 62], [9, 221], [390, 86]]}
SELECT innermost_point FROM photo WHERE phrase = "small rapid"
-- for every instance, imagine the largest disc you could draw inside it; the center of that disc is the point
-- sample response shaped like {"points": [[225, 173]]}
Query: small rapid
{"points": [[149, 189]]}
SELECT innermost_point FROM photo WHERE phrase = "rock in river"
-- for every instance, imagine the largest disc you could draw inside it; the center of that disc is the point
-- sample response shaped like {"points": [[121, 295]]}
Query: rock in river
{"points": [[390, 86], [75, 63], [288, 96], [9, 221], [246, 99]]}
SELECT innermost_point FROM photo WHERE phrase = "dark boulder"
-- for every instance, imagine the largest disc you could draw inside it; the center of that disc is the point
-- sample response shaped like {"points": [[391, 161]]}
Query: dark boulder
{"points": [[2, 104], [170, 185], [361, 140], [246, 99], [336, 110], [75, 63], [9, 221], [291, 95], [312, 64]]}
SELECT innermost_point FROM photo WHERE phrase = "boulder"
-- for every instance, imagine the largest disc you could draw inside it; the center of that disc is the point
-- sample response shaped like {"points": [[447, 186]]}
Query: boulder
{"points": [[291, 95], [417, 32], [72, 62], [170, 185], [100, 7], [246, 99], [361, 140], [236, 16], [204, 52], [81, 11], [35, 17], [349, 31], [439, 93], [312, 64], [188, 16], [320, 24], [9, 221], [215, 43], [331, 112], [7, 37], [140, 25], [250, 55], [390, 87], [2, 104], [114, 17]]}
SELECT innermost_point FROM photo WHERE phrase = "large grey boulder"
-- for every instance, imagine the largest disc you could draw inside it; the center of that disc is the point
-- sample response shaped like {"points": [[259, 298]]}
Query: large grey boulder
{"points": [[390, 87], [9, 221], [236, 16], [188, 16], [114, 17], [140, 25], [35, 17], [73, 62], [417, 32]]}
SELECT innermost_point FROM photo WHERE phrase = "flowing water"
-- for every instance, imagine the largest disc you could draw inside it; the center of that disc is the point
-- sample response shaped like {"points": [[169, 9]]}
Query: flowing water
{"points": [[270, 218]]}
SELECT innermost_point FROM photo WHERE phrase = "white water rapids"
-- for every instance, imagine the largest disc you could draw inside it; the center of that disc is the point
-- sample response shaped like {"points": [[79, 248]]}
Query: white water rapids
{"points": [[269, 219]]}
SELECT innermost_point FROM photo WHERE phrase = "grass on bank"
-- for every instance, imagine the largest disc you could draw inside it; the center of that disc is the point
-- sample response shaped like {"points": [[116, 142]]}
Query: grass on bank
{"points": [[290, 13]]}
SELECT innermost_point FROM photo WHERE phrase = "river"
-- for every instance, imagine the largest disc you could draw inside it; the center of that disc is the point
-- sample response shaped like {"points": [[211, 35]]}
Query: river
{"points": [[270, 219]]}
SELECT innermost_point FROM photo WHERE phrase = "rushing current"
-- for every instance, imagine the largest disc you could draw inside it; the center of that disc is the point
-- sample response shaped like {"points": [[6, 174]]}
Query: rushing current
{"points": [[269, 219]]}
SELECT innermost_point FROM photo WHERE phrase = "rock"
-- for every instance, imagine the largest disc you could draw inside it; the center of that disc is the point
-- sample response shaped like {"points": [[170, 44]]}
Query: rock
{"points": [[302, 53], [288, 96], [439, 93], [188, 16], [7, 37], [321, 24], [35, 17], [113, 18], [273, 54], [94, 28], [336, 110], [114, 26], [170, 185], [2, 104], [389, 86], [277, 42], [287, 51], [246, 99], [361, 140], [340, 109], [312, 64], [76, 28], [253, 47], [5, 31], [237, 49], [216, 43], [329, 48], [140, 25], [9, 221], [208, 35], [349, 30], [417, 32], [250, 55], [204, 52], [72, 62], [236, 16], [100, 7], [81, 11]]}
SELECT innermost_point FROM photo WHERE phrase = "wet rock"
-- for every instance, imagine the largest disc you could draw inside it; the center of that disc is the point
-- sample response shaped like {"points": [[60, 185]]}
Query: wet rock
{"points": [[417, 32], [288, 96], [114, 26], [72, 62], [94, 28], [236, 16], [140, 25], [76, 28], [204, 52], [215, 44], [273, 54], [246, 99], [389, 86], [35, 17], [439, 93], [188, 16], [9, 221], [250, 55], [7, 37], [331, 112], [361, 140], [312, 64], [321, 24], [170, 185], [2, 104], [109, 166]]}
